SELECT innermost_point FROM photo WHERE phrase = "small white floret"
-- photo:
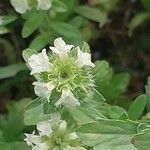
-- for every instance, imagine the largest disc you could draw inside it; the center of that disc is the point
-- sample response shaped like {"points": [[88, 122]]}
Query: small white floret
{"points": [[67, 99], [60, 47], [84, 59], [43, 89], [44, 128], [39, 63], [44, 4]]}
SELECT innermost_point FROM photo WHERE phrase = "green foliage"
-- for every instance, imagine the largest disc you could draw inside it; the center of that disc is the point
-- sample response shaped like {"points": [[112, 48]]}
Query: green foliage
{"points": [[32, 23], [137, 107], [92, 14], [110, 85], [147, 87], [11, 70]]}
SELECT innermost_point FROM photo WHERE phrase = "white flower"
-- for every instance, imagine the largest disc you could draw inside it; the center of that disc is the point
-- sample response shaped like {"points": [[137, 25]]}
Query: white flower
{"points": [[60, 47], [67, 99], [44, 128], [63, 125], [49, 133], [74, 148], [21, 6], [43, 89], [32, 139], [73, 136], [84, 59], [44, 4], [39, 62]]}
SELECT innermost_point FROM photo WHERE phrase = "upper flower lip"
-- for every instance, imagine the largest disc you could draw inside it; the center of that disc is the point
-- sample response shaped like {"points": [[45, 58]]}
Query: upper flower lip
{"points": [[60, 47], [39, 62]]}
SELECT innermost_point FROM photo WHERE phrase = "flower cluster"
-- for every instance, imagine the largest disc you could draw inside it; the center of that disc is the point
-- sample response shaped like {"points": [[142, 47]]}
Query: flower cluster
{"points": [[53, 135], [22, 6], [67, 70]]}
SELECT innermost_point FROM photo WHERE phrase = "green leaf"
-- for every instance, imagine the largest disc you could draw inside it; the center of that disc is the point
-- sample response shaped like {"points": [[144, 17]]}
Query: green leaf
{"points": [[86, 47], [146, 4], [116, 112], [59, 6], [34, 113], [66, 30], [108, 134], [105, 80], [41, 41], [137, 20], [12, 124], [89, 112], [33, 22], [11, 70], [14, 146], [4, 20], [3, 30], [137, 107], [93, 14], [147, 87], [142, 140]]}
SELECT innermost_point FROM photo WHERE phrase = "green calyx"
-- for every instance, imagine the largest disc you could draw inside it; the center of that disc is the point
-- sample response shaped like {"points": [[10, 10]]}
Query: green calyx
{"points": [[67, 74]]}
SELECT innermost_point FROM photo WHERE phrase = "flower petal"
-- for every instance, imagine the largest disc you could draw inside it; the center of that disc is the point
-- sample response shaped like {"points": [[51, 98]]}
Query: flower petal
{"points": [[67, 99], [32, 139], [60, 47], [44, 4], [63, 125], [43, 89], [44, 127], [73, 136], [39, 62], [84, 59], [21, 6]]}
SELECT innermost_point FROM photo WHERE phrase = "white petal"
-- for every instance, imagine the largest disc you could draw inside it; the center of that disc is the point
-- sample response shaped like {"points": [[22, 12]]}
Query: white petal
{"points": [[43, 89], [44, 4], [54, 50], [73, 136], [32, 139], [60, 47], [21, 6], [84, 59], [55, 120], [39, 62], [45, 128], [59, 43], [63, 125], [67, 99]]}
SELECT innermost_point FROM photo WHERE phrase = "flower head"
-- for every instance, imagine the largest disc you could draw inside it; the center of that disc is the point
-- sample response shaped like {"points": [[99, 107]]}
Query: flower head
{"points": [[66, 71], [53, 134]]}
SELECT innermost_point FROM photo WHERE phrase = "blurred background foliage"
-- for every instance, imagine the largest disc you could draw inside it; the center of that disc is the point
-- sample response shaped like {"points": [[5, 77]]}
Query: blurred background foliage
{"points": [[117, 31]]}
